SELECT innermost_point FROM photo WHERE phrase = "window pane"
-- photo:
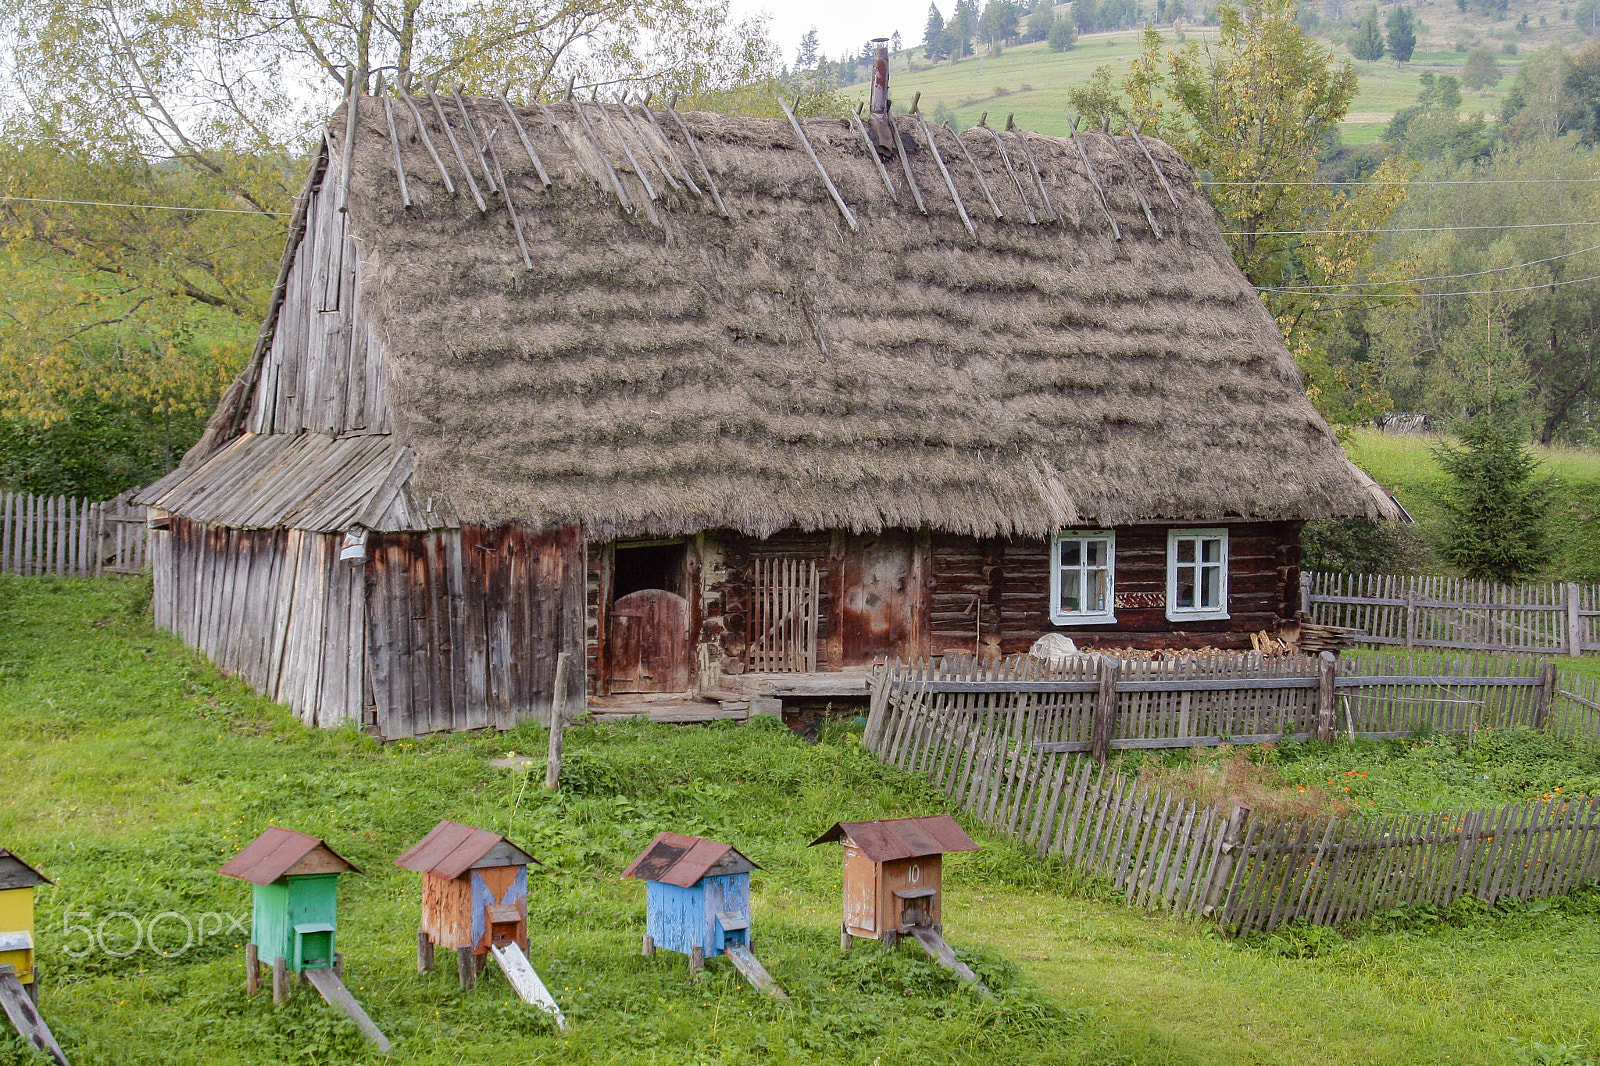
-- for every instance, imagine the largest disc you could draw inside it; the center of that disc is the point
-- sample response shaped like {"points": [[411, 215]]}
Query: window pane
{"points": [[1070, 585], [1210, 579], [1186, 586], [1212, 549], [1070, 550], [1185, 549], [1096, 591], [1094, 552]]}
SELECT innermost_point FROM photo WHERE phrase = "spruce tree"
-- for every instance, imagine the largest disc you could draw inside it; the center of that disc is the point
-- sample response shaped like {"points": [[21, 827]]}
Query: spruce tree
{"points": [[935, 42], [1496, 513], [1401, 39], [1366, 42]]}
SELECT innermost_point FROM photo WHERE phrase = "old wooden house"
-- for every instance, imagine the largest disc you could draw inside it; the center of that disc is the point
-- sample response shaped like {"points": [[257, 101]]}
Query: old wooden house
{"points": [[694, 398]]}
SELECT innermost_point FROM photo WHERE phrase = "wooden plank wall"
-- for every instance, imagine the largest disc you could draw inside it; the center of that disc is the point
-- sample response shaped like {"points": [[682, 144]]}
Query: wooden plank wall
{"points": [[1545, 618], [276, 608], [465, 626], [68, 537], [1163, 851], [324, 371], [1010, 579]]}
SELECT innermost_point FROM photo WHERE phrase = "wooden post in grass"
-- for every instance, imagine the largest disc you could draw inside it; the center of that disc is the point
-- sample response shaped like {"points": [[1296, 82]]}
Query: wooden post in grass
{"points": [[558, 714], [1105, 710], [1545, 694], [1327, 668], [1222, 873]]}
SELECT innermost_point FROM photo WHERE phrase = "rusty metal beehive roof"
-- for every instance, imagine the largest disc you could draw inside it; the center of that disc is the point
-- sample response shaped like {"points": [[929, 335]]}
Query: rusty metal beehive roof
{"points": [[675, 859], [274, 853], [451, 849], [14, 873], [902, 838]]}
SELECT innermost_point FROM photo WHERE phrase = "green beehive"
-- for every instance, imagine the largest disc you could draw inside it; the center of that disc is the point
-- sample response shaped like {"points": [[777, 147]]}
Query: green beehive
{"points": [[296, 879]]}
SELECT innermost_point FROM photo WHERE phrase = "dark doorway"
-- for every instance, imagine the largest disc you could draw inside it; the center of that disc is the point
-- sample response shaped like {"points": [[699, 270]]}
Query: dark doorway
{"points": [[648, 643]]}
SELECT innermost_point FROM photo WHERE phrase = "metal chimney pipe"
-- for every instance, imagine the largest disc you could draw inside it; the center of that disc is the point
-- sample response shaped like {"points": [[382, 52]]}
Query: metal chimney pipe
{"points": [[882, 129]]}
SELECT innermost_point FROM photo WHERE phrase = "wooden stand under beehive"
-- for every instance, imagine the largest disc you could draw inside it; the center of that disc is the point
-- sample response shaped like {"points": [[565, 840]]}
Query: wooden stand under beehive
{"points": [[294, 918], [19, 974], [697, 902], [893, 882], [475, 902]]}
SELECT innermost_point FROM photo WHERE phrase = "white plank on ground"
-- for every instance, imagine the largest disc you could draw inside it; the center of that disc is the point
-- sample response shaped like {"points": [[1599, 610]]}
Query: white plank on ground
{"points": [[324, 980], [20, 1009], [519, 971]]}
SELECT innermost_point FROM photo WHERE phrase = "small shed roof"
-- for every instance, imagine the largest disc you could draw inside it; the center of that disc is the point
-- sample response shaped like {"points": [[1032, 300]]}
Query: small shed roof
{"points": [[902, 838], [14, 873], [451, 849], [675, 859], [277, 852]]}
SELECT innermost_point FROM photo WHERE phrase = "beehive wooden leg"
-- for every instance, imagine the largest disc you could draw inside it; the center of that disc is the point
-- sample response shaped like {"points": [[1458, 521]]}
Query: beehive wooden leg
{"points": [[252, 970], [647, 947], [697, 959], [280, 982], [891, 939], [33, 987], [424, 953], [846, 941], [466, 967], [338, 965]]}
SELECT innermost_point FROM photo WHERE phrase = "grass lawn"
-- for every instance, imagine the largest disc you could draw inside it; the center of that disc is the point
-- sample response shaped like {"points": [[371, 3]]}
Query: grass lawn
{"points": [[136, 770], [1404, 464]]}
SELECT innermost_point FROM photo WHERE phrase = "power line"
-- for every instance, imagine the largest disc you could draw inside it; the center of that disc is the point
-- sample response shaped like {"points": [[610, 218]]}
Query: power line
{"points": [[150, 207], [1401, 181], [1469, 292], [1401, 229], [1432, 277]]}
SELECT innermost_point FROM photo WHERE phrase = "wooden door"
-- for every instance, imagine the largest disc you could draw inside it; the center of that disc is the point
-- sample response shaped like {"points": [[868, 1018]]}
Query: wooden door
{"points": [[877, 597], [649, 645]]}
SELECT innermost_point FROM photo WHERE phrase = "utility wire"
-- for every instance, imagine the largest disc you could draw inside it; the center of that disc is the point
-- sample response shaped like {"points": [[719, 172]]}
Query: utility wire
{"points": [[1431, 277], [1402, 229], [1470, 292], [150, 207]]}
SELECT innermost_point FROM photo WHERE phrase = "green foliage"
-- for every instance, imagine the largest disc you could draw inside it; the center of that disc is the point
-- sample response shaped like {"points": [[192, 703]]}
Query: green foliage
{"points": [[1481, 70], [1040, 21], [1400, 38], [1366, 40], [98, 450], [1354, 545], [1062, 35], [1495, 513]]}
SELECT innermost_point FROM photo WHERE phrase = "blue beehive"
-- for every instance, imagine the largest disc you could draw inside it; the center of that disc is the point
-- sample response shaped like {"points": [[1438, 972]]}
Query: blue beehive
{"points": [[697, 896]]}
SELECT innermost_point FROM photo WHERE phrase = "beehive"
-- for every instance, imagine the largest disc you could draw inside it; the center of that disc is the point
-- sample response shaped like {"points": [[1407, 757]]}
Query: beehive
{"points": [[17, 882], [893, 873], [697, 895], [474, 890], [295, 897]]}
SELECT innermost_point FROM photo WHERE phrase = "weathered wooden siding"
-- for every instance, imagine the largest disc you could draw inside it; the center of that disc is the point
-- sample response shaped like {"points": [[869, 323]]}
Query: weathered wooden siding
{"points": [[1009, 582], [276, 608], [465, 626], [324, 371]]}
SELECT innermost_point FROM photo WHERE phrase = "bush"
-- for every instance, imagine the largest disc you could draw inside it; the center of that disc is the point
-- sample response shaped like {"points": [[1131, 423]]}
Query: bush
{"points": [[1062, 35]]}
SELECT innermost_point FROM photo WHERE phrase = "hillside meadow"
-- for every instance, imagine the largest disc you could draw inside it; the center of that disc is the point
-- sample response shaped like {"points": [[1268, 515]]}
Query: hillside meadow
{"points": [[136, 770]]}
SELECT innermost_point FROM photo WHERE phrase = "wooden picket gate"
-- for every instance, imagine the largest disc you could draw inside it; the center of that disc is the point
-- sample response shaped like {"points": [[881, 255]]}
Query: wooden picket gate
{"points": [[68, 537], [980, 734], [785, 603]]}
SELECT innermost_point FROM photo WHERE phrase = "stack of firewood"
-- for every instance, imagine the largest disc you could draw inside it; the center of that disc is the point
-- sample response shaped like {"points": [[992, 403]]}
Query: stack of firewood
{"points": [[1310, 638]]}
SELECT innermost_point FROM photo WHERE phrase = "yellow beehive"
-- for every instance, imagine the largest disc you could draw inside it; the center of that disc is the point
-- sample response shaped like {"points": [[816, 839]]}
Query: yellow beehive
{"points": [[17, 882]]}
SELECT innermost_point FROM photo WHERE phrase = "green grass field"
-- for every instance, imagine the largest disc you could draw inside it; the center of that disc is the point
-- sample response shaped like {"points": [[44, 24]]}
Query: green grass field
{"points": [[1032, 81], [1405, 465], [134, 771]]}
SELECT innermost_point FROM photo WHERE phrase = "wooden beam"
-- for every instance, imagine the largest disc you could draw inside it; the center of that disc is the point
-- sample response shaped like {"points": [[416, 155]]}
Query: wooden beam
{"points": [[527, 143], [800, 132], [1049, 208], [349, 140], [683, 171], [711, 183], [961, 208], [638, 171], [605, 161], [472, 135], [461, 157], [394, 142], [1005, 156], [1088, 168], [872, 151], [1154, 165], [427, 142], [982, 184], [505, 194]]}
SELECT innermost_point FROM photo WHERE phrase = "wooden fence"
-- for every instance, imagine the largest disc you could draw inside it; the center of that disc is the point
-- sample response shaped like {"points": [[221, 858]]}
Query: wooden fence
{"points": [[983, 736], [1445, 612], [63, 536]]}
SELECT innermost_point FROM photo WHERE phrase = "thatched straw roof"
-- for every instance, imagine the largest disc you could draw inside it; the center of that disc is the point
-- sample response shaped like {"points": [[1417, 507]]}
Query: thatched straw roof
{"points": [[667, 369]]}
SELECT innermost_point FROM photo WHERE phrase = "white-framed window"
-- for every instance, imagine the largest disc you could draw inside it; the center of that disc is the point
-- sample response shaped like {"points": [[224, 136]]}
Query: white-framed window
{"points": [[1083, 577], [1197, 574]]}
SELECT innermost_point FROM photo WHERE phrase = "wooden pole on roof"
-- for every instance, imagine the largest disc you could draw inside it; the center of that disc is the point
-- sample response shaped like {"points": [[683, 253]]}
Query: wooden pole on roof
{"points": [[505, 194], [1044, 194], [650, 147], [527, 144], [982, 184], [427, 142], [594, 141], [799, 131], [698, 158], [671, 151], [872, 150], [1153, 164], [472, 135], [1005, 157], [633, 161], [1133, 179], [905, 165], [349, 139], [1116, 230], [961, 208], [394, 142], [461, 157]]}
